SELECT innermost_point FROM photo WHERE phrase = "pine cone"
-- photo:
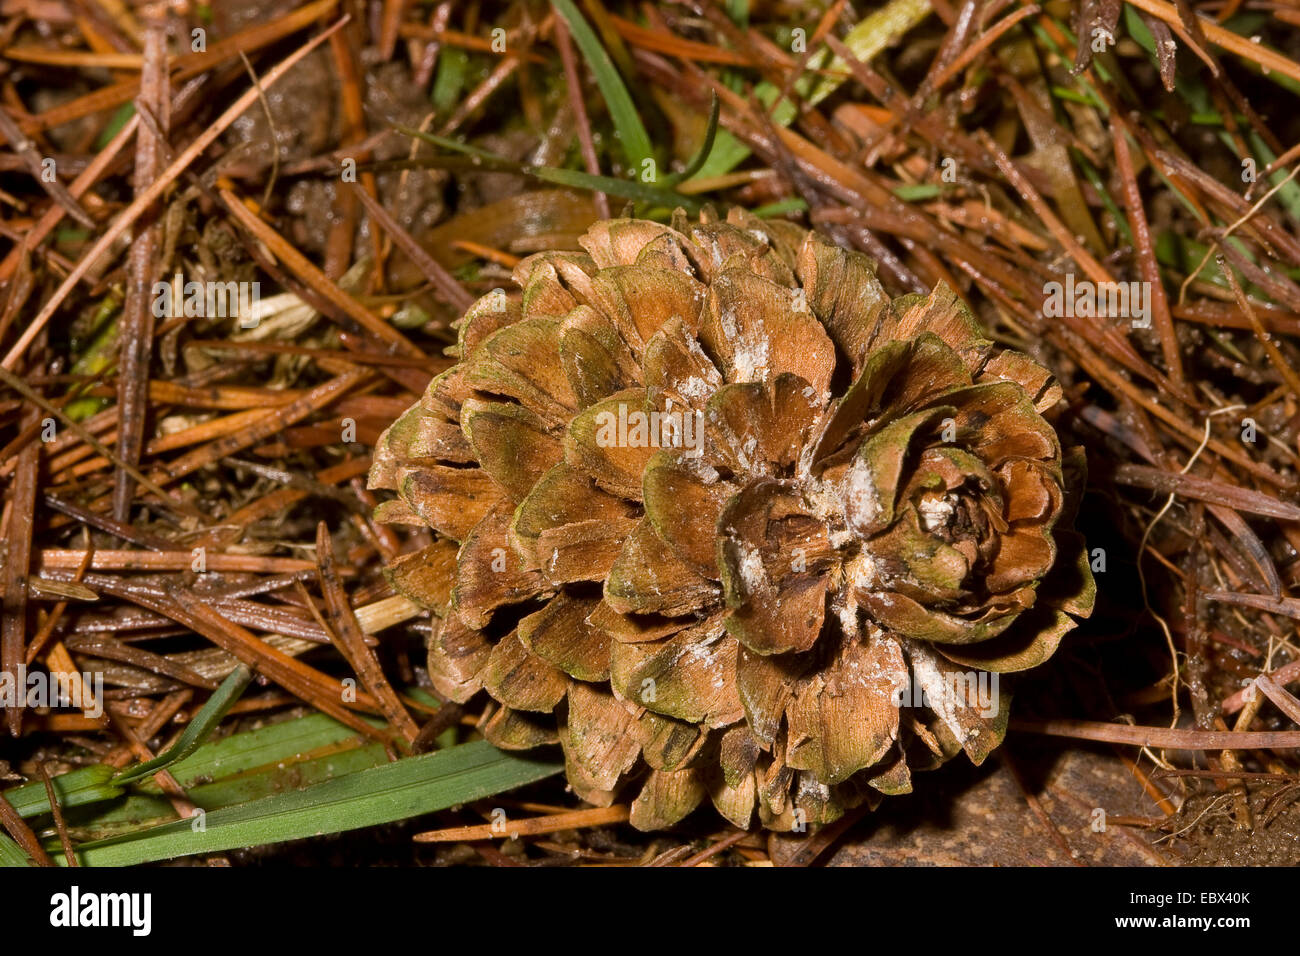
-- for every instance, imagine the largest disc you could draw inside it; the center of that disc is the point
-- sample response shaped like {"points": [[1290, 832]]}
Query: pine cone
{"points": [[721, 519]]}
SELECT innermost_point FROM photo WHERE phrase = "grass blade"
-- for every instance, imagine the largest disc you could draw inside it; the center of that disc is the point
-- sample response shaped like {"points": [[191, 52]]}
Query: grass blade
{"points": [[140, 811], [626, 188], [11, 854], [495, 161], [627, 121], [197, 730], [74, 789], [286, 742], [237, 769], [394, 791], [706, 148]]}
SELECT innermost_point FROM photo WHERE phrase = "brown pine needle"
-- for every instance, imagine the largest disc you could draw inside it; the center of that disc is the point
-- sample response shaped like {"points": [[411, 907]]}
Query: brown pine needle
{"points": [[347, 635], [529, 826], [1161, 738], [69, 854]]}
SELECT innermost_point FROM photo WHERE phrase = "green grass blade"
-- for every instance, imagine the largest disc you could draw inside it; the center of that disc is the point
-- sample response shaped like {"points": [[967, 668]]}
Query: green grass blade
{"points": [[148, 810], [197, 730], [11, 854], [918, 192], [626, 188], [277, 758], [627, 121], [449, 84], [234, 769], [780, 208], [74, 789], [706, 148], [394, 791], [254, 750], [457, 146]]}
